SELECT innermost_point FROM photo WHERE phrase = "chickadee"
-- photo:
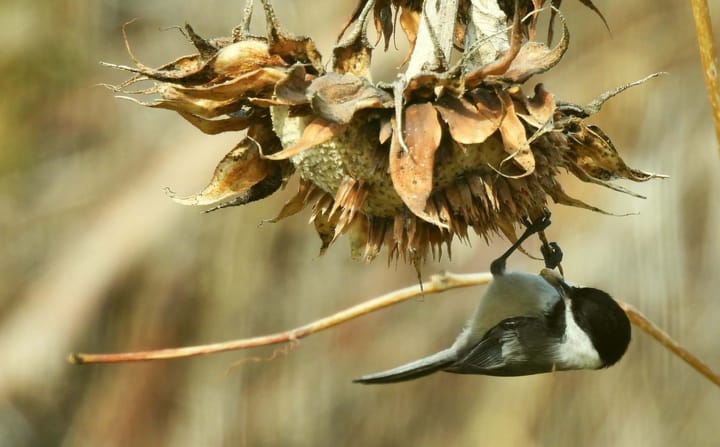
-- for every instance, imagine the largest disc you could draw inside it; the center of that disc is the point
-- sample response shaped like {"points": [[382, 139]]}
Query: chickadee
{"points": [[529, 324]]}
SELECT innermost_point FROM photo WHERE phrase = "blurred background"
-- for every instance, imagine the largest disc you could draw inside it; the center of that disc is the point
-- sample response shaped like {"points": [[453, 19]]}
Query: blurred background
{"points": [[94, 257]]}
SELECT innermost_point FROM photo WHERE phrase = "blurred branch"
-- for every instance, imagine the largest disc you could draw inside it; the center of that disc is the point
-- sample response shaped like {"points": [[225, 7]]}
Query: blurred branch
{"points": [[438, 283], [708, 57], [642, 322]]}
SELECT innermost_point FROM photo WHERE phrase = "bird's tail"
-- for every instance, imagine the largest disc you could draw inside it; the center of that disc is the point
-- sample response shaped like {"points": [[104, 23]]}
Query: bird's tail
{"points": [[412, 370]]}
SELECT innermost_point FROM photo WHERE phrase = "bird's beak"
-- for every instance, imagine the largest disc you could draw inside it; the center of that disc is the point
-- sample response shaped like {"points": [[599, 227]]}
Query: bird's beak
{"points": [[554, 279]]}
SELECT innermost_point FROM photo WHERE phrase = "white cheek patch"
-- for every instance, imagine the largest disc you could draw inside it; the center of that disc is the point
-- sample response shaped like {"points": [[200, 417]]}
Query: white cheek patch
{"points": [[576, 351]]}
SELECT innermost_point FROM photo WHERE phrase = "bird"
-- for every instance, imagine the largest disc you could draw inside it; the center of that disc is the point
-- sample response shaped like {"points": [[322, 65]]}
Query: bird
{"points": [[528, 324]]}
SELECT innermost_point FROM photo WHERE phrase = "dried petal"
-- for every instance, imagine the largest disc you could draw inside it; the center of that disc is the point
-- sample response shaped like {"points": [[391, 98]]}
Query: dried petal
{"points": [[239, 170], [214, 127], [467, 123], [595, 154], [514, 138], [561, 197], [316, 132], [386, 130], [255, 83], [353, 53], [337, 97], [243, 57], [541, 106], [383, 21], [554, 11], [264, 188], [291, 90], [359, 239], [412, 170], [410, 22], [535, 58], [324, 221], [307, 193], [295, 48]]}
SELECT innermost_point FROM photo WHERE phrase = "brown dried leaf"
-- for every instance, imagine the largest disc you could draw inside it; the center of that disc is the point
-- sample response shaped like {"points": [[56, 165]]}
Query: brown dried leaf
{"points": [[264, 188], [337, 97], [255, 83], [556, 8], [243, 57], [561, 197], [596, 155], [383, 21], [178, 103], [205, 47], [353, 58], [386, 130], [214, 127], [535, 58], [469, 124], [412, 171], [317, 131], [291, 48], [324, 221], [292, 90], [307, 192], [357, 233], [578, 172], [214, 62], [410, 22], [186, 69], [353, 53], [514, 138], [499, 65], [507, 229], [239, 170], [541, 106]]}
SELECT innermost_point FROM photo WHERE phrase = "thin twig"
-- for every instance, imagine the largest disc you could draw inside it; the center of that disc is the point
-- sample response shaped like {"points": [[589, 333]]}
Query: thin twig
{"points": [[708, 57], [642, 322], [438, 283]]}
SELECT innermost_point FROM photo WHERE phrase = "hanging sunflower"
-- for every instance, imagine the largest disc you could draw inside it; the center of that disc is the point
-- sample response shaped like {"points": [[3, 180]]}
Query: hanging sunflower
{"points": [[407, 166]]}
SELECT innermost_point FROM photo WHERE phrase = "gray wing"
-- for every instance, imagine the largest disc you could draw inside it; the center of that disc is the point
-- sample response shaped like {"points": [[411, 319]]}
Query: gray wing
{"points": [[515, 347]]}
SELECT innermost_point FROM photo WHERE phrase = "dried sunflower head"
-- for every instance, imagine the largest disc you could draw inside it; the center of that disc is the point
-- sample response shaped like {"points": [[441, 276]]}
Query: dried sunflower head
{"points": [[407, 166]]}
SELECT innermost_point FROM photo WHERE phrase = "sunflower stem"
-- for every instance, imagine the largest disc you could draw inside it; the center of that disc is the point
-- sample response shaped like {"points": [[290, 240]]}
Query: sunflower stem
{"points": [[709, 59]]}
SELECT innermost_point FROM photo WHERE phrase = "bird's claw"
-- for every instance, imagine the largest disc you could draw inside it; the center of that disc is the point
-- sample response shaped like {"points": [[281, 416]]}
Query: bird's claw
{"points": [[539, 224], [552, 254]]}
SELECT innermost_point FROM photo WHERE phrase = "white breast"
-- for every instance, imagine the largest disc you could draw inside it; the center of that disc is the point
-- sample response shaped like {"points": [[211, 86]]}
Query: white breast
{"points": [[576, 350]]}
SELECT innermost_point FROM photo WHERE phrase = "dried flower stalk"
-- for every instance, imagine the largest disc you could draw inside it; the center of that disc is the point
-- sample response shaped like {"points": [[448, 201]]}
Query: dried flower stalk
{"points": [[437, 284], [709, 59]]}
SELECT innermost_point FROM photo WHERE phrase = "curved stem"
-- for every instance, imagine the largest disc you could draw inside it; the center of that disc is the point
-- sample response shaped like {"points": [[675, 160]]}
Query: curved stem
{"points": [[438, 283], [647, 326]]}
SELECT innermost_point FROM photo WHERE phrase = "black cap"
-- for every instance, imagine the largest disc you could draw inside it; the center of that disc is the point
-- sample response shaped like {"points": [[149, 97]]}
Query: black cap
{"points": [[603, 320]]}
